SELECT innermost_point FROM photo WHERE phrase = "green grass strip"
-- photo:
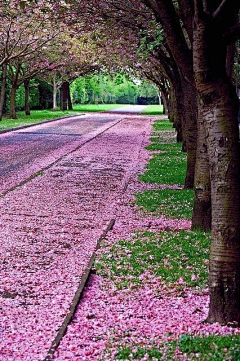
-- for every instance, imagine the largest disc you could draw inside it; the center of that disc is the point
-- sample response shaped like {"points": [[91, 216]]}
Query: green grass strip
{"points": [[37, 116], [97, 107], [170, 255], [168, 202], [212, 348], [137, 353], [165, 168], [168, 164], [153, 110]]}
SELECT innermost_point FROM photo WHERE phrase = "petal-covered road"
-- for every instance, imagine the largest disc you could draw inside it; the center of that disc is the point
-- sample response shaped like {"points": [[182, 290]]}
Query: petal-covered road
{"points": [[51, 224], [25, 152]]}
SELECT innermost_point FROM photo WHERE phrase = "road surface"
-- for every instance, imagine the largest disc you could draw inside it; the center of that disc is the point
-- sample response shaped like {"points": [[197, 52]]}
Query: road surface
{"points": [[50, 224], [26, 152]]}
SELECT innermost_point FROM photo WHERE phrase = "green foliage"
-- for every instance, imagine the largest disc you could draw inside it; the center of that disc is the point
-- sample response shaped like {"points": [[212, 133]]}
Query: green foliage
{"points": [[150, 39], [106, 88], [171, 203], [170, 255], [212, 348], [38, 88]]}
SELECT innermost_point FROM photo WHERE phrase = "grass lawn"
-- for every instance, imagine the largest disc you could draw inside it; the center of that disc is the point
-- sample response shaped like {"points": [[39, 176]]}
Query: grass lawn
{"points": [[38, 116], [169, 255], [168, 163], [153, 110], [97, 107], [172, 203]]}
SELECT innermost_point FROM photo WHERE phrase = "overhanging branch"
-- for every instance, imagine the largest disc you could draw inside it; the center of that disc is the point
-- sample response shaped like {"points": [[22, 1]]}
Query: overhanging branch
{"points": [[232, 34]]}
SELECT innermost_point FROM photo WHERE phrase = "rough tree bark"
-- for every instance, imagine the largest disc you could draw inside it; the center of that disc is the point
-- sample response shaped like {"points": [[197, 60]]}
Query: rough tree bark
{"points": [[190, 112], [54, 93], [64, 96], [15, 84], [12, 113], [3, 88], [69, 100], [202, 210], [27, 94], [219, 109]]}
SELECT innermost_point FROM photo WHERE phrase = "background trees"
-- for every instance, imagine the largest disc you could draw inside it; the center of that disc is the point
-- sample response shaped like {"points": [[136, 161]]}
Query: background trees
{"points": [[113, 88]]}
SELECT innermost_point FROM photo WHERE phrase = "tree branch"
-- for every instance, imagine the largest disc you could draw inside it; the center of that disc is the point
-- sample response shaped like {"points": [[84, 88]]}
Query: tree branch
{"points": [[219, 10], [232, 34]]}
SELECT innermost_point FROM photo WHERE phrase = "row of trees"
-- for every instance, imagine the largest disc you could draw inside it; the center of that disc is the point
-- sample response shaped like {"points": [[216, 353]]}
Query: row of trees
{"points": [[187, 48], [94, 88]]}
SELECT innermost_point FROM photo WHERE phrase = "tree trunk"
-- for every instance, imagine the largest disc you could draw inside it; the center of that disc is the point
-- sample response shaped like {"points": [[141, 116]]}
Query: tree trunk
{"points": [[172, 107], [54, 94], [190, 129], [3, 88], [70, 106], [180, 121], [165, 96], [202, 212], [223, 138], [165, 108], [64, 96], [219, 110], [27, 93], [12, 114]]}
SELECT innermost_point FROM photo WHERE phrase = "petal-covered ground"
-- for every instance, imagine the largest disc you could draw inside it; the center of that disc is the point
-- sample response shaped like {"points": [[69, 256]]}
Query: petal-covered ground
{"points": [[25, 152], [49, 229], [109, 318]]}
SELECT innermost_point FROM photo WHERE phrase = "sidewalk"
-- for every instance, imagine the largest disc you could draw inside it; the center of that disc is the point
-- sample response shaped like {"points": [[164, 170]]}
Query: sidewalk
{"points": [[49, 230]]}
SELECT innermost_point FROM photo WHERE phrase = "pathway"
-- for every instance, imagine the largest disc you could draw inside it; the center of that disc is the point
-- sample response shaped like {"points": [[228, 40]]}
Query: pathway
{"points": [[50, 227], [26, 152]]}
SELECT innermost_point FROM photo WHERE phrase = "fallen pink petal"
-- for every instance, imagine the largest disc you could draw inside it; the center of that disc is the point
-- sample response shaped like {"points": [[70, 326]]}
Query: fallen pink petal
{"points": [[50, 227]]}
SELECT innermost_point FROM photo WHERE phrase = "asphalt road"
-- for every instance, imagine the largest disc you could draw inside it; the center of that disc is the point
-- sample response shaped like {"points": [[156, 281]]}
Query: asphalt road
{"points": [[25, 152]]}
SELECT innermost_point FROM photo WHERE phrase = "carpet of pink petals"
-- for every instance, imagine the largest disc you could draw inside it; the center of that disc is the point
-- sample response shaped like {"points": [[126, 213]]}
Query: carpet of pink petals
{"points": [[49, 230], [64, 138], [108, 318]]}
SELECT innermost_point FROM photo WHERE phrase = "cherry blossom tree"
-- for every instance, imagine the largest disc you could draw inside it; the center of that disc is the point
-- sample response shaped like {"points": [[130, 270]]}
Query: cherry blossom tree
{"points": [[215, 28], [72, 58], [201, 50], [26, 28]]}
